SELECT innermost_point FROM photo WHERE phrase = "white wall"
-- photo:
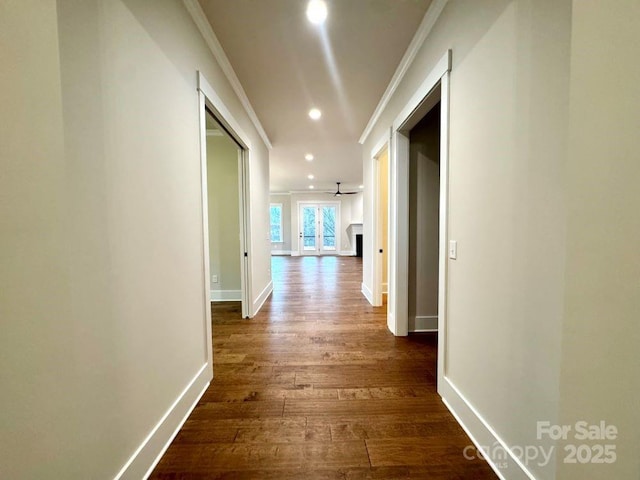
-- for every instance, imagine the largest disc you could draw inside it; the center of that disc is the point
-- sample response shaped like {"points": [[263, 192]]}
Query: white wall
{"points": [[508, 130], [224, 218], [424, 202], [357, 208], [102, 298], [600, 363]]}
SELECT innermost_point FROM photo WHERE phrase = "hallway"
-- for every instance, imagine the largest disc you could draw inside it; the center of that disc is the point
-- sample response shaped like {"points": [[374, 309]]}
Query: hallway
{"points": [[315, 387]]}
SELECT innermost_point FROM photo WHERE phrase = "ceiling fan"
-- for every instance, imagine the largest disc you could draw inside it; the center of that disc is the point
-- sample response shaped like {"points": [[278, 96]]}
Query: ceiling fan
{"points": [[339, 193]]}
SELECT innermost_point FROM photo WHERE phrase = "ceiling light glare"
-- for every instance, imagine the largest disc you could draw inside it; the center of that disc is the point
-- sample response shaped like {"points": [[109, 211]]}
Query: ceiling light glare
{"points": [[311, 187], [308, 157], [315, 114], [310, 177], [361, 187], [317, 12]]}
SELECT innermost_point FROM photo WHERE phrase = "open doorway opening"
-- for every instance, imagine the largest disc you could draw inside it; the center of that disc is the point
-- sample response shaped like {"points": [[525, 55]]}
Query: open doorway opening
{"points": [[225, 151], [381, 225], [412, 192], [424, 207], [225, 213]]}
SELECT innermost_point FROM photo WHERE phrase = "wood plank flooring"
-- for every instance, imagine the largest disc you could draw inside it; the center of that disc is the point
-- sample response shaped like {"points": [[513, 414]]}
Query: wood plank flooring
{"points": [[315, 387]]}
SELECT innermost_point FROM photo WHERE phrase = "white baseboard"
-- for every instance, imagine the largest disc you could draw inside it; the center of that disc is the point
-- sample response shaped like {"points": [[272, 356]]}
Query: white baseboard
{"points": [[423, 323], [257, 304], [368, 294], [391, 321], [226, 295], [385, 288], [481, 434], [148, 454], [347, 253], [295, 254], [281, 252]]}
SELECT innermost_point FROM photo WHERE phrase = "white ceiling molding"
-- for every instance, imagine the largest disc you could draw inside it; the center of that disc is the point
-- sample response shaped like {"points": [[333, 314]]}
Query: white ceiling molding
{"points": [[429, 20], [201, 21]]}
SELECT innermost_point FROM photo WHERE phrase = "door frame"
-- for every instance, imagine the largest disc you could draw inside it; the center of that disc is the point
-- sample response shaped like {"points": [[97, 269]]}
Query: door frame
{"points": [[319, 204], [209, 99], [382, 146], [434, 88]]}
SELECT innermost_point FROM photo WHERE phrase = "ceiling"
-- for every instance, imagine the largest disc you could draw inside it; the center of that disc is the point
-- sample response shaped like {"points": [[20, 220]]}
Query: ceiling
{"points": [[287, 65]]}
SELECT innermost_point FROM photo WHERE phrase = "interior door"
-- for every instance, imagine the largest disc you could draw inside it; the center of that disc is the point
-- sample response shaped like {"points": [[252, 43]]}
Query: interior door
{"points": [[318, 229]]}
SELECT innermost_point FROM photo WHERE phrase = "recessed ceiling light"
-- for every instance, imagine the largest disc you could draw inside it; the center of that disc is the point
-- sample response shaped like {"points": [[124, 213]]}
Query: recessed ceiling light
{"points": [[310, 177], [311, 187], [361, 186], [308, 157], [315, 114], [317, 12]]}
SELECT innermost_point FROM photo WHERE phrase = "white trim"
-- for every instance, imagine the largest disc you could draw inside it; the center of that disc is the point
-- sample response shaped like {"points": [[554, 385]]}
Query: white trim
{"points": [[480, 432], [226, 295], [428, 84], [226, 118], [244, 198], [443, 224], [209, 98], [428, 21], [423, 323], [380, 147], [257, 305], [202, 22], [398, 273], [412, 112], [204, 195], [385, 288], [275, 253], [148, 454], [367, 293], [347, 253]]}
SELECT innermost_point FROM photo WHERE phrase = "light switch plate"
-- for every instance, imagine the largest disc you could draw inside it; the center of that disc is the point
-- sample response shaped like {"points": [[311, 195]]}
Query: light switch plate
{"points": [[453, 249], [214, 278]]}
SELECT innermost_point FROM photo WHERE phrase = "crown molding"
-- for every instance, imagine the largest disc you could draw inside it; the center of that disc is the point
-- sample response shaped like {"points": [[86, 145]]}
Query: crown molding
{"points": [[428, 21], [201, 21]]}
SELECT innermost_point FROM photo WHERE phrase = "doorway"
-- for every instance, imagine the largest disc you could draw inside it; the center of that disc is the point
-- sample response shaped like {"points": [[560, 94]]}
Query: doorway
{"points": [[435, 89], [380, 156], [424, 203], [225, 213], [318, 222], [215, 117]]}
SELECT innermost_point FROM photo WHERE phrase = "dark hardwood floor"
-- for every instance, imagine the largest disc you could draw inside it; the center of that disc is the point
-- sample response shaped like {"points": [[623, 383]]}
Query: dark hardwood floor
{"points": [[315, 387]]}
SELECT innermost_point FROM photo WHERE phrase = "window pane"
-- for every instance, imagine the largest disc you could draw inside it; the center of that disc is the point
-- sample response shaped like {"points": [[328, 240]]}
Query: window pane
{"points": [[275, 212], [309, 228], [329, 227]]}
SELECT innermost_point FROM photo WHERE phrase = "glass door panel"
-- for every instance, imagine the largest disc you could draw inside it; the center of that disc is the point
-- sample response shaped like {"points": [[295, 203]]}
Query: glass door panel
{"points": [[309, 220], [329, 228]]}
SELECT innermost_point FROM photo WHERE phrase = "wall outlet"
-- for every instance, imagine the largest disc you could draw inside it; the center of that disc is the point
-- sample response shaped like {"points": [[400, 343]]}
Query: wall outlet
{"points": [[214, 278]]}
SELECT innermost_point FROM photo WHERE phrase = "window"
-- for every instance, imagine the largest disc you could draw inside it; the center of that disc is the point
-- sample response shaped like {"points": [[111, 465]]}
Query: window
{"points": [[275, 212]]}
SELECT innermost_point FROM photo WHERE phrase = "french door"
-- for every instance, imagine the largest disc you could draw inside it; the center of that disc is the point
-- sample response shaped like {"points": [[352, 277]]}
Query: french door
{"points": [[318, 227]]}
